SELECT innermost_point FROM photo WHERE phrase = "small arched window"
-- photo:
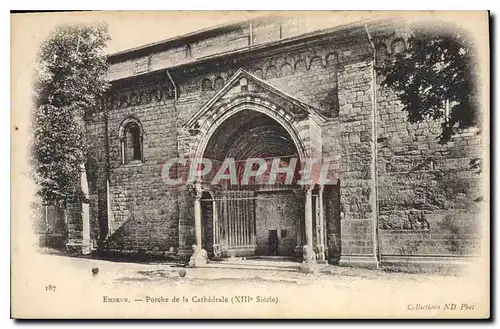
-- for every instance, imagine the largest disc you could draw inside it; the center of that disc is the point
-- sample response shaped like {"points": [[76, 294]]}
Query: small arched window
{"points": [[131, 141]]}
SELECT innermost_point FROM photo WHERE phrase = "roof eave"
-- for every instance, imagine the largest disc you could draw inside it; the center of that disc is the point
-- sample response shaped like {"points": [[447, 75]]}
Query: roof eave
{"points": [[351, 29]]}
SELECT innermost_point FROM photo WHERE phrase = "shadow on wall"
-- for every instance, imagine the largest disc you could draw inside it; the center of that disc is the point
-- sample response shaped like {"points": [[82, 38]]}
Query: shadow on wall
{"points": [[140, 234], [456, 239]]}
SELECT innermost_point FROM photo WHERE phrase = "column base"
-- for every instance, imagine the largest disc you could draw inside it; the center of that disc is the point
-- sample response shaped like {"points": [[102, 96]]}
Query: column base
{"points": [[77, 246], [364, 261], [320, 254], [199, 257], [309, 264], [309, 267]]}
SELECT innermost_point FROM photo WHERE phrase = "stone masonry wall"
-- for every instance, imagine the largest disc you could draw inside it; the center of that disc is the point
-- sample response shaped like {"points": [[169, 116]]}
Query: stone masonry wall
{"points": [[310, 72], [97, 175], [355, 148], [428, 193], [144, 208]]}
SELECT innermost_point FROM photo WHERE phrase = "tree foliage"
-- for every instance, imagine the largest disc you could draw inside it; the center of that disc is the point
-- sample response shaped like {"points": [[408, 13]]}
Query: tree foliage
{"points": [[69, 83], [433, 69]]}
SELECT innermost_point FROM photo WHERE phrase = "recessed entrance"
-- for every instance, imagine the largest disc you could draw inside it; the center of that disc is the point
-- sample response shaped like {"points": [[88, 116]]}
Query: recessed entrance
{"points": [[257, 219], [278, 217], [272, 243]]}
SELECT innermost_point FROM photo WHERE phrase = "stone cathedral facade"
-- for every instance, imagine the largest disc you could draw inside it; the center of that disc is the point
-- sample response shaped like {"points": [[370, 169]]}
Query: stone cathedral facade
{"points": [[266, 88]]}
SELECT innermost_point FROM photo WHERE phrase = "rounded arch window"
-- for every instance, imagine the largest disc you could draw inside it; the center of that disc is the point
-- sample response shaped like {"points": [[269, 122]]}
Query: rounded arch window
{"points": [[131, 141]]}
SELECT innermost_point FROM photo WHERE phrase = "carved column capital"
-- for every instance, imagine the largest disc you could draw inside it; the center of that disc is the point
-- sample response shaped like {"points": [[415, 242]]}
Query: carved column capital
{"points": [[308, 189], [198, 190], [195, 190]]}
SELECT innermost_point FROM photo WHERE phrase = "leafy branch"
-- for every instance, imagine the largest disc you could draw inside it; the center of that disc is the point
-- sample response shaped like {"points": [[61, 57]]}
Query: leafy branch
{"points": [[69, 83], [433, 71]]}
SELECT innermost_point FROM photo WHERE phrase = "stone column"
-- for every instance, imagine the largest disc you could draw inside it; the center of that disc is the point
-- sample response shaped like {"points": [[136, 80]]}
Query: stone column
{"points": [[215, 224], [216, 230], [321, 223], [79, 240], [308, 256], [199, 256], [197, 219]]}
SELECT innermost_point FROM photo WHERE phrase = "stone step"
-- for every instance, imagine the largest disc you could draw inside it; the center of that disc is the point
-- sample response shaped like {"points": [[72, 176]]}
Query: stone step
{"points": [[256, 265]]}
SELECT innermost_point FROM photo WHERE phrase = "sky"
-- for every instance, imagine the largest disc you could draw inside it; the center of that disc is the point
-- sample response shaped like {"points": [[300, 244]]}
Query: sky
{"points": [[127, 29]]}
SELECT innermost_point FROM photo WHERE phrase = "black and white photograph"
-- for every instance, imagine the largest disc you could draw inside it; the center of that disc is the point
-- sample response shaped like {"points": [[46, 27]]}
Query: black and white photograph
{"points": [[189, 165]]}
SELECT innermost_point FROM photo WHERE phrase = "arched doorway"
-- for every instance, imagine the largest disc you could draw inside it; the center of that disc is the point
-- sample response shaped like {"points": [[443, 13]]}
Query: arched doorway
{"points": [[258, 218], [249, 118]]}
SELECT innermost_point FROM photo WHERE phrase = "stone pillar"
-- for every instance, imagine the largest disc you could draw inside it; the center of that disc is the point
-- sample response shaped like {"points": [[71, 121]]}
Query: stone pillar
{"points": [[87, 244], [321, 225], [216, 230], [358, 158], [197, 219], [199, 256], [308, 256], [79, 240], [215, 224]]}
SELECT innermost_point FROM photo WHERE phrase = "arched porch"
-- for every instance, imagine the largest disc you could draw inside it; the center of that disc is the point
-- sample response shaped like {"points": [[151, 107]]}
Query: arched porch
{"points": [[268, 214], [253, 216]]}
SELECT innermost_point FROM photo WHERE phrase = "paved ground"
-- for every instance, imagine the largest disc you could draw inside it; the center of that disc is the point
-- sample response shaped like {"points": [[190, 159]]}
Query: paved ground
{"points": [[131, 272], [334, 292]]}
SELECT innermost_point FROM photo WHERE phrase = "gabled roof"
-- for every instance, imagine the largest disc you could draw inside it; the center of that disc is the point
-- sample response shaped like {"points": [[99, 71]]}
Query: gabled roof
{"points": [[311, 110]]}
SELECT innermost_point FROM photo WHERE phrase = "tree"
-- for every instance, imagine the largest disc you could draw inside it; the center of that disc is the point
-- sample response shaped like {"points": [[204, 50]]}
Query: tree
{"points": [[69, 83], [434, 78]]}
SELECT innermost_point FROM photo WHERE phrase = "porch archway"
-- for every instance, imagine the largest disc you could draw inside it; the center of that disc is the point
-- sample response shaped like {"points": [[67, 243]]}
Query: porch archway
{"points": [[256, 219], [255, 105]]}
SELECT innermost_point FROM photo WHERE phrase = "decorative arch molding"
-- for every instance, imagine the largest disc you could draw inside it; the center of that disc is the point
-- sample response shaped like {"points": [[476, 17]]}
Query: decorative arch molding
{"points": [[299, 63], [128, 120], [286, 69], [313, 61], [282, 66], [218, 83], [300, 120], [267, 109], [388, 45], [200, 142], [271, 72], [141, 93], [206, 85]]}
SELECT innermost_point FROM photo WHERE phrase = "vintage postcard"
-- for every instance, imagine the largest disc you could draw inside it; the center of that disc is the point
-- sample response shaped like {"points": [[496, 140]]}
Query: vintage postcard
{"points": [[189, 165]]}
